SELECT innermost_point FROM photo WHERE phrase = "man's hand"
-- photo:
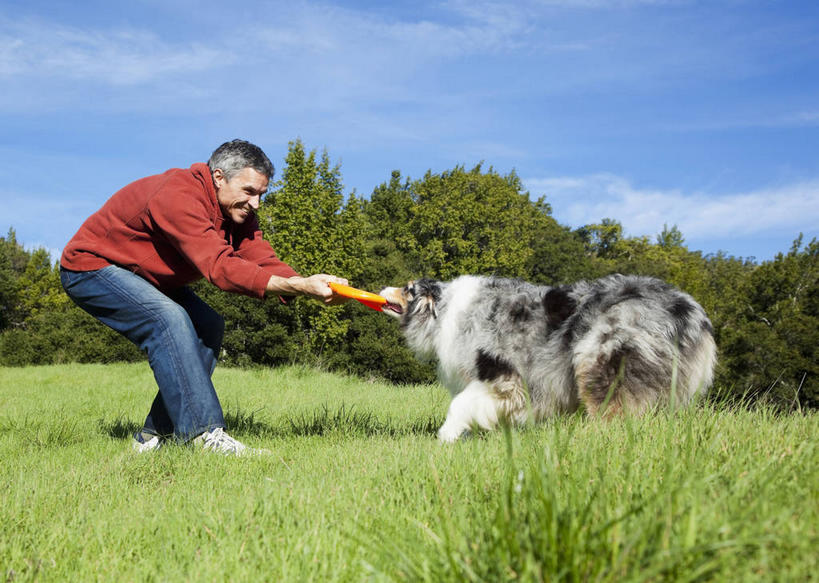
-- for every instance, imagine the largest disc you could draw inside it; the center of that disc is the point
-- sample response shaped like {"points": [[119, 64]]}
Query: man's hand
{"points": [[315, 286]]}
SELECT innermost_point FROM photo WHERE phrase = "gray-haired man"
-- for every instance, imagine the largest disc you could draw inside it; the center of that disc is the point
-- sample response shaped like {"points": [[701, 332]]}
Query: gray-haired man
{"points": [[130, 262]]}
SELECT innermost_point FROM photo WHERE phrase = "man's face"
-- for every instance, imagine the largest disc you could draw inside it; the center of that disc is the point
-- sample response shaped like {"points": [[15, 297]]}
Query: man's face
{"points": [[239, 197]]}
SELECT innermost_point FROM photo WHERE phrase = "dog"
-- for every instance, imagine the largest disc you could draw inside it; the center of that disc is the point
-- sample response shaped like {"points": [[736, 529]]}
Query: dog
{"points": [[507, 349]]}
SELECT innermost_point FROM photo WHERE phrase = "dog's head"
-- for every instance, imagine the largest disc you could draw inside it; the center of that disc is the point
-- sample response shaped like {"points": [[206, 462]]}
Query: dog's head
{"points": [[418, 300]]}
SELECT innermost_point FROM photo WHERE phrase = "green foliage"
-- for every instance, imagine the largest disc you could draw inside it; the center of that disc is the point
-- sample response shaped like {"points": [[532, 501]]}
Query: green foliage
{"points": [[670, 238], [773, 339], [38, 322], [559, 255], [13, 262], [40, 291], [306, 221], [389, 212], [373, 346], [256, 332], [468, 222], [602, 239], [69, 335]]}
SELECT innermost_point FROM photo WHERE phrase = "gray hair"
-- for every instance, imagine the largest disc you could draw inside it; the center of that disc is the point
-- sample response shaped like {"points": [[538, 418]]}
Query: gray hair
{"points": [[236, 155]]}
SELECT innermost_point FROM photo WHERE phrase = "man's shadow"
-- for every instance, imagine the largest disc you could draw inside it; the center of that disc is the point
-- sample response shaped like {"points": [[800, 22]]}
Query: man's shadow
{"points": [[321, 421]]}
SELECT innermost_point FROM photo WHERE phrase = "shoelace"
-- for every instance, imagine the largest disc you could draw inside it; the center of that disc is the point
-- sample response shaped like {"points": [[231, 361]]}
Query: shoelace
{"points": [[220, 441]]}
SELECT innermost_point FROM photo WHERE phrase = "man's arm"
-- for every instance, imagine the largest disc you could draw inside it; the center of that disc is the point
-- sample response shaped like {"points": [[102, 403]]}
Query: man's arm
{"points": [[315, 286]]}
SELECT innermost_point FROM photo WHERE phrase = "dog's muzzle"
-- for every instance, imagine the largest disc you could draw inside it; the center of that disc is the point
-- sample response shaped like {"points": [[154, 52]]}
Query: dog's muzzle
{"points": [[392, 308]]}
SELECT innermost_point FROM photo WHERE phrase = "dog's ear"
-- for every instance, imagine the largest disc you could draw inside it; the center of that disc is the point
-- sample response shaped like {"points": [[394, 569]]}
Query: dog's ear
{"points": [[559, 305], [423, 296], [426, 304]]}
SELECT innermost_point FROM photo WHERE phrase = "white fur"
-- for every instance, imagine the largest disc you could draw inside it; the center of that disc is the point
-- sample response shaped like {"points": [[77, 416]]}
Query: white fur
{"points": [[449, 341], [474, 405]]}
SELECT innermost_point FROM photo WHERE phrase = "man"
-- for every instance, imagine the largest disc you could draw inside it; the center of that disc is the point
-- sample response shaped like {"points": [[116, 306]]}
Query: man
{"points": [[130, 262]]}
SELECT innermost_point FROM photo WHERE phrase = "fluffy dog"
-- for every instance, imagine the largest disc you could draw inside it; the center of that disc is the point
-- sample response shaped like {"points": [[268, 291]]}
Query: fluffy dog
{"points": [[507, 349]]}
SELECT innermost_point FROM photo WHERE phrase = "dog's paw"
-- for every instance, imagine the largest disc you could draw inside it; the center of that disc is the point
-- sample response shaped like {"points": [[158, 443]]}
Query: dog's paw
{"points": [[448, 434]]}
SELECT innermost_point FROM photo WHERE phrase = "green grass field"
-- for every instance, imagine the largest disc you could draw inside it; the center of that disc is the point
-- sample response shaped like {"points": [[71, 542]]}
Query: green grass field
{"points": [[357, 488]]}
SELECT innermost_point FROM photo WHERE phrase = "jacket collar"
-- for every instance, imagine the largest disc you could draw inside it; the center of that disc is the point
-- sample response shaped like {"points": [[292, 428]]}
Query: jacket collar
{"points": [[201, 172]]}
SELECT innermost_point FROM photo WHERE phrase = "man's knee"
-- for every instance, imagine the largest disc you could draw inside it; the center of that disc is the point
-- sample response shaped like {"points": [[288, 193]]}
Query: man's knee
{"points": [[172, 319]]}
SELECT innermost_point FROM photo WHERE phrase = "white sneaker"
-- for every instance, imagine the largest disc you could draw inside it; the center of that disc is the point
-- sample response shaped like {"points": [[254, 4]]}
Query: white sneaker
{"points": [[218, 441], [141, 444]]}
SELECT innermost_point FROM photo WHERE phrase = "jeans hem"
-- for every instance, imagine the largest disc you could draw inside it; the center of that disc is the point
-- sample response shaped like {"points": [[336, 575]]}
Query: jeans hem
{"points": [[188, 438]]}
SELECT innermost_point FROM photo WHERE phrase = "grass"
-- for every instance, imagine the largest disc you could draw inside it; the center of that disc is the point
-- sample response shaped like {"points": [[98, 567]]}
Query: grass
{"points": [[358, 488]]}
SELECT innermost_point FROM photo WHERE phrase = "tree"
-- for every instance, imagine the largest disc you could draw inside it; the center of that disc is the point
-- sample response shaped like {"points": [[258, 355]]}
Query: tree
{"points": [[771, 341], [559, 254], [39, 285], [670, 238], [765, 316], [68, 335], [38, 323], [306, 221], [13, 261], [389, 213], [459, 222], [602, 239]]}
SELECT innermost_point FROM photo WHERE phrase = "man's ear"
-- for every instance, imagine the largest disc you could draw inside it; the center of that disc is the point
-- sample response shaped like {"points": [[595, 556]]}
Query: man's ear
{"points": [[218, 177]]}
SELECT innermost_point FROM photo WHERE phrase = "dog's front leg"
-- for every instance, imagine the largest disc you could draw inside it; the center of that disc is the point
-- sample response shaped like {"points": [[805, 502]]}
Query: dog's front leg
{"points": [[474, 405]]}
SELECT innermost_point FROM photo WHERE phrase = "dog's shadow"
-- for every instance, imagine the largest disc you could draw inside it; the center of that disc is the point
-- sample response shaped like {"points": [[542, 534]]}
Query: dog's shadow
{"points": [[323, 420]]}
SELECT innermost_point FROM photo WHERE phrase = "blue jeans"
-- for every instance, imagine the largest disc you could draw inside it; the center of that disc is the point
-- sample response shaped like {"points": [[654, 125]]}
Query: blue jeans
{"points": [[180, 333]]}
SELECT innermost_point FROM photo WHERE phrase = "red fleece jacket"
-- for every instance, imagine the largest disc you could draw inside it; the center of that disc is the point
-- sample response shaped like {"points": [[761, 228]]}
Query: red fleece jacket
{"points": [[170, 230]]}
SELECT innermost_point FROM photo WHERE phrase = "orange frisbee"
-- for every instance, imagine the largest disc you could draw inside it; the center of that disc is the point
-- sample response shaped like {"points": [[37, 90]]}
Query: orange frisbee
{"points": [[370, 300]]}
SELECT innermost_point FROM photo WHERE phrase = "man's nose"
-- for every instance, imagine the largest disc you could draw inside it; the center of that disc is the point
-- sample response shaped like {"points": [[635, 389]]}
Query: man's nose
{"points": [[254, 202]]}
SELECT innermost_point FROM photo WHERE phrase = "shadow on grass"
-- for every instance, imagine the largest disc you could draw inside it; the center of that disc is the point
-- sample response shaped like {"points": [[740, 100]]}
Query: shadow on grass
{"points": [[346, 420], [322, 421], [119, 428]]}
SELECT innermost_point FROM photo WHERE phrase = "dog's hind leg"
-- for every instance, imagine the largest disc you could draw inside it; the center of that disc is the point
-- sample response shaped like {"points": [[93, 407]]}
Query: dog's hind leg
{"points": [[475, 405], [624, 381]]}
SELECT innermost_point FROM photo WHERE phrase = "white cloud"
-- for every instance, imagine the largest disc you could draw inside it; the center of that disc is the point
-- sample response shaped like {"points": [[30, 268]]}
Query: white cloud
{"points": [[729, 121], [577, 201], [356, 38], [40, 49], [331, 55]]}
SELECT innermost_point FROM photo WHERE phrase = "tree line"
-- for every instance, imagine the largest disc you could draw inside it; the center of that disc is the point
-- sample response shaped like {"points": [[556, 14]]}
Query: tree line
{"points": [[477, 221]]}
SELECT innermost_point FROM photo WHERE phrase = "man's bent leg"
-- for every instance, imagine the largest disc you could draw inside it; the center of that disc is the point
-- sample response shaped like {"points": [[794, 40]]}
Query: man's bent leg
{"points": [[209, 325], [164, 330], [210, 328]]}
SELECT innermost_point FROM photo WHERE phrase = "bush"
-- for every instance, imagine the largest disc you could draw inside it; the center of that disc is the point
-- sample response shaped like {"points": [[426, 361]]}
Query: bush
{"points": [[68, 336], [373, 346]]}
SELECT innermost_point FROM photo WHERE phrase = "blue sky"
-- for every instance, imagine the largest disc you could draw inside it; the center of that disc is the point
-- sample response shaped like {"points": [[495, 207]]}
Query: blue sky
{"points": [[651, 112]]}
